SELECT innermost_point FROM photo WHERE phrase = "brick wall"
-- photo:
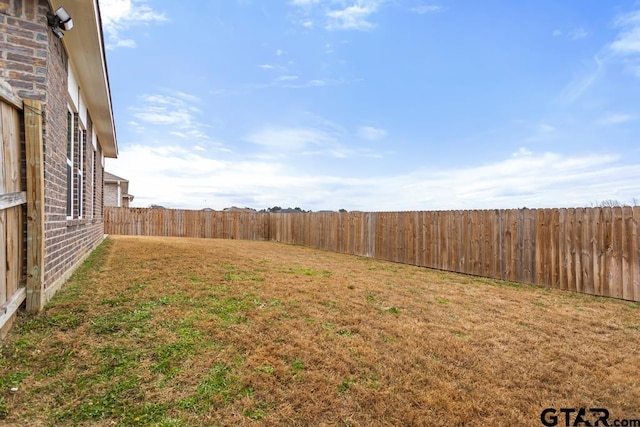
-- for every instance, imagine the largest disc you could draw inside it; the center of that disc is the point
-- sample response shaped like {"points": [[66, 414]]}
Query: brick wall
{"points": [[24, 45], [34, 62], [111, 194]]}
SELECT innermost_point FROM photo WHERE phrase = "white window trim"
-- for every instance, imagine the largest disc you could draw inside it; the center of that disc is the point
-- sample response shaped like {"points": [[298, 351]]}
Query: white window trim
{"points": [[81, 177], [69, 162]]}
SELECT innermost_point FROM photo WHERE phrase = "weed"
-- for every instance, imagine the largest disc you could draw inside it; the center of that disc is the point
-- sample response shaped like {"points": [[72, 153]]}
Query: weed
{"points": [[4, 410], [345, 385], [332, 305], [242, 276], [297, 366], [393, 310], [116, 301], [266, 368], [13, 379], [307, 272], [257, 412], [442, 301]]}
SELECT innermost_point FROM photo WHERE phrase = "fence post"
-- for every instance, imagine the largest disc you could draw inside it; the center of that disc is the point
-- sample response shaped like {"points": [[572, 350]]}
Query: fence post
{"points": [[35, 204]]}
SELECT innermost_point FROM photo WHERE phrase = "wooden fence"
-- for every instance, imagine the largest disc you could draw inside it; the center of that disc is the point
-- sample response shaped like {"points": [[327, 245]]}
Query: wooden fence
{"points": [[587, 250], [13, 200]]}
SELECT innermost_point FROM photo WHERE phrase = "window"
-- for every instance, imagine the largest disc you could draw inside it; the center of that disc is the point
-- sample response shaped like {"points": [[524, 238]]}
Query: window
{"points": [[80, 189], [95, 183], [70, 144]]}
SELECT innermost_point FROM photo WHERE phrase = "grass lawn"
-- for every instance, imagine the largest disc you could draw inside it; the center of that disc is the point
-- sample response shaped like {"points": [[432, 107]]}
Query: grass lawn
{"points": [[189, 332]]}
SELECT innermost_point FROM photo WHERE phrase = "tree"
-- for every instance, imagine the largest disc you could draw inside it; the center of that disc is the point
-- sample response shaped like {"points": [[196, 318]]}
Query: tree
{"points": [[609, 203]]}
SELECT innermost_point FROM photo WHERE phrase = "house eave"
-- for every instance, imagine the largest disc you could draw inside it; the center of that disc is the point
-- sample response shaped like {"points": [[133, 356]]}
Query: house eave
{"points": [[84, 43]]}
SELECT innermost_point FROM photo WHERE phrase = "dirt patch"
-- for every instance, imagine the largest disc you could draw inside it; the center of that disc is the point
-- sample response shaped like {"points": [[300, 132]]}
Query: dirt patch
{"points": [[181, 332]]}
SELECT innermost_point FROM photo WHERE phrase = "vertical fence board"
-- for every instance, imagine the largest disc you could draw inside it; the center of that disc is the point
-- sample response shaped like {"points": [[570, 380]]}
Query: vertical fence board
{"points": [[562, 232], [587, 253], [577, 250], [551, 274], [595, 219], [616, 258], [627, 249], [635, 254], [498, 266], [510, 242], [540, 245]]}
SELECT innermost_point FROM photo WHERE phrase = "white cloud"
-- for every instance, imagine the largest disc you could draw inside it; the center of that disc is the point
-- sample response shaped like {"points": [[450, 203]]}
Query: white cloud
{"points": [[353, 17], [119, 15], [581, 84], [296, 82], [304, 2], [371, 133], [337, 14], [628, 41], [421, 10], [287, 78], [177, 177], [577, 34], [615, 119], [546, 128], [124, 43], [574, 34], [177, 111], [270, 67], [631, 18], [291, 139]]}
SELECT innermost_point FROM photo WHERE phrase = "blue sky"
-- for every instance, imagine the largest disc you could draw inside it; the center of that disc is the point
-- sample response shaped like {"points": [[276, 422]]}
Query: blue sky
{"points": [[375, 104]]}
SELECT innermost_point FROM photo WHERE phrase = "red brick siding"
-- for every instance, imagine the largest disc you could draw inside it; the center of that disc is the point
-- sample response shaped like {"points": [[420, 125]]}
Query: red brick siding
{"points": [[34, 62], [24, 46]]}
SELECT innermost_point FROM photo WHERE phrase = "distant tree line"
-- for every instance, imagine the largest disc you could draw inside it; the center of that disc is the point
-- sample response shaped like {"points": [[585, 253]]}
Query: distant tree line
{"points": [[612, 203]]}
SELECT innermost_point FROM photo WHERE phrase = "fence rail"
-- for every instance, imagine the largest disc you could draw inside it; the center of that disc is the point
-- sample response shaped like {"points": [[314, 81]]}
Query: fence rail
{"points": [[588, 250]]}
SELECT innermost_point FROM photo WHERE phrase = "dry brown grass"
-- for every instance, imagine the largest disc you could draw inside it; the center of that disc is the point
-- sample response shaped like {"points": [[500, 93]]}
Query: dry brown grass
{"points": [[173, 332]]}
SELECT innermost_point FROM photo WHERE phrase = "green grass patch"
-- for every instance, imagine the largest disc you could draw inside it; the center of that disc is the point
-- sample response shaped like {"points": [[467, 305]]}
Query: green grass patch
{"points": [[230, 310], [170, 357], [123, 320], [307, 271]]}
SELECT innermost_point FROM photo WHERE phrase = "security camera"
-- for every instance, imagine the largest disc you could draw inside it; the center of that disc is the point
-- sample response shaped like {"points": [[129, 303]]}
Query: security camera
{"points": [[58, 32], [66, 23], [60, 21]]}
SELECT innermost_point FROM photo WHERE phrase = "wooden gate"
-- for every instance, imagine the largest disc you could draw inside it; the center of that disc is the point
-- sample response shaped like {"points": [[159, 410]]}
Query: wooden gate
{"points": [[12, 208]]}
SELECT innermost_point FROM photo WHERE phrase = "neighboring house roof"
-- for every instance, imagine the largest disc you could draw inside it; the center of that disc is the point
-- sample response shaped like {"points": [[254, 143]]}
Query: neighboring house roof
{"points": [[85, 45], [110, 178]]}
